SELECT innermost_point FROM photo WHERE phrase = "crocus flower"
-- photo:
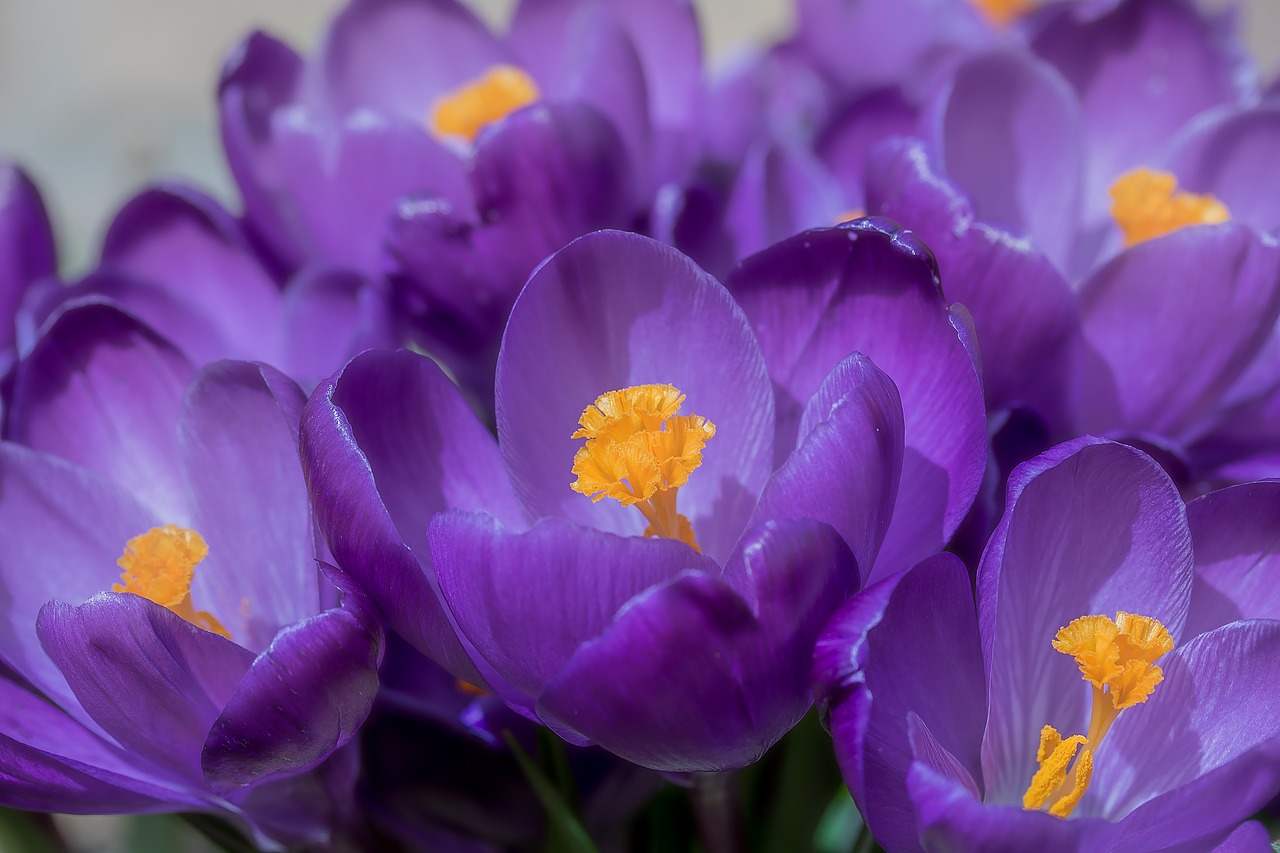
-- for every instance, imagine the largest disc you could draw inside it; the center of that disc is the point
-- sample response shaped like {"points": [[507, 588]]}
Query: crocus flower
{"points": [[162, 592], [959, 730], [607, 533], [26, 252]]}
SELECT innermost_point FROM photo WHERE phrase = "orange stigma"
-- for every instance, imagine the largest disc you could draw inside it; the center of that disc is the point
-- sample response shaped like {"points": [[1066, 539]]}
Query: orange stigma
{"points": [[159, 565], [494, 95], [1147, 204], [639, 452], [1002, 13]]}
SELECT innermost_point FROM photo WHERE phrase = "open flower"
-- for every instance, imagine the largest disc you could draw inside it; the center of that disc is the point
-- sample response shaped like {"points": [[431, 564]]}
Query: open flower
{"points": [[162, 592], [1101, 697], [674, 495]]}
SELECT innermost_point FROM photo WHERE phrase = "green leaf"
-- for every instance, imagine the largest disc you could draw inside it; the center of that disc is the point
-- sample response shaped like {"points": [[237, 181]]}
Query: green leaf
{"points": [[565, 833]]}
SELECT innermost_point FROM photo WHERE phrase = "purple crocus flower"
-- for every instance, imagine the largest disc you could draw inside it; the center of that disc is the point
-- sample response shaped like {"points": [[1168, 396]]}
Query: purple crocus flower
{"points": [[955, 730], [162, 592], [26, 252], [678, 651]]}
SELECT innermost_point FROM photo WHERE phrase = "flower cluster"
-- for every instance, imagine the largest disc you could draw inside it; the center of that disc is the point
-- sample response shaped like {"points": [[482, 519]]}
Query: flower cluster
{"points": [[556, 422]]}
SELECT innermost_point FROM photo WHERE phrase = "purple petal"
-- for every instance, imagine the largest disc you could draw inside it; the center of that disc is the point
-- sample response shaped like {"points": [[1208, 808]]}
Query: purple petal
{"points": [[103, 391], [500, 586], [26, 247], [1023, 308], [387, 443], [609, 311], [1237, 556], [1090, 527], [183, 241], [1215, 717], [1009, 133], [780, 190], [1249, 837], [1209, 297], [303, 698], [1228, 154], [261, 76], [239, 437], [329, 316], [883, 658], [872, 288], [153, 681], [845, 471], [850, 138], [398, 56]]}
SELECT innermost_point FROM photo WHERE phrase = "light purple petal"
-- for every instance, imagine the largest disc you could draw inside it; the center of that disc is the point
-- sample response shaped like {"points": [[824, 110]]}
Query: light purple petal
{"points": [[153, 681], [329, 316], [303, 698], [609, 311], [26, 248], [1229, 154], [104, 391], [845, 471], [1236, 532], [780, 191], [1009, 133], [239, 437], [848, 141], [1208, 296], [1090, 527], [500, 586], [872, 288]]}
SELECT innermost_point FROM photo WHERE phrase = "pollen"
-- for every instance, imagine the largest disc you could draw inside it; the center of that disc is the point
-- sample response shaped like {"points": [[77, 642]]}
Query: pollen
{"points": [[1117, 658], [159, 565], [1002, 13], [1147, 204], [640, 451], [464, 111]]}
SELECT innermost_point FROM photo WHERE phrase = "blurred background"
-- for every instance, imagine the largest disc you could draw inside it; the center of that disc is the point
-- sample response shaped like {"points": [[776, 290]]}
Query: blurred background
{"points": [[98, 98]]}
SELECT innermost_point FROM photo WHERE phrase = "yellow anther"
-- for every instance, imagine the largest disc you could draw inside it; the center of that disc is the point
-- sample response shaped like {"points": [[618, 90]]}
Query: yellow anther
{"points": [[1147, 204], [850, 214], [638, 451], [1001, 13], [1118, 659], [497, 93], [159, 565]]}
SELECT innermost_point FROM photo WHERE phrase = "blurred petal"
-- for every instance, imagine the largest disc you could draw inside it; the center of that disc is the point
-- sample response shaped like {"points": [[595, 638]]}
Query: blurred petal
{"points": [[153, 681], [1237, 550], [872, 288], [26, 248], [780, 190], [329, 316], [847, 143], [609, 311], [1090, 527], [1229, 154]]}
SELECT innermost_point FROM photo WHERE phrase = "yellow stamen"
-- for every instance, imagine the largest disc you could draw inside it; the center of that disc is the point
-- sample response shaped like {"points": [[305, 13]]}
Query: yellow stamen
{"points": [[159, 565], [1147, 204], [1118, 659], [1001, 13], [639, 452], [497, 93], [850, 214]]}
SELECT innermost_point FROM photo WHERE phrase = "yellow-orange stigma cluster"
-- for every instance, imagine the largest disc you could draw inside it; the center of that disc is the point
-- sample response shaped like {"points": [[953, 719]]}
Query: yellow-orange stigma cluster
{"points": [[1146, 204], [1001, 13], [1118, 659], [464, 111], [159, 565], [638, 451]]}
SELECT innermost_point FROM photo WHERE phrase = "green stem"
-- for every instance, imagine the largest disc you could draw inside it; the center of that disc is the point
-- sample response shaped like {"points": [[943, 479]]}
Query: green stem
{"points": [[866, 842], [717, 805]]}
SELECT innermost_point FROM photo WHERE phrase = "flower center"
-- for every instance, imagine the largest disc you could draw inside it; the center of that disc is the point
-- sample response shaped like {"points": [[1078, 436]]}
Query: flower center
{"points": [[497, 93], [1118, 660], [159, 565], [1001, 13], [640, 452], [1147, 204]]}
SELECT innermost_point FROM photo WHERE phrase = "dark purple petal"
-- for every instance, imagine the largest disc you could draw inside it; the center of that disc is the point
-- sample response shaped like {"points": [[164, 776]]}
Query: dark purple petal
{"points": [[884, 657], [1204, 740], [239, 437], [780, 190], [609, 311], [1009, 133], [845, 471], [180, 239], [329, 316], [1090, 527], [658, 687], [303, 698], [386, 444], [153, 681], [872, 288], [26, 248], [500, 586], [104, 391], [1023, 308], [1209, 297], [1237, 549], [261, 76], [1229, 154], [399, 56]]}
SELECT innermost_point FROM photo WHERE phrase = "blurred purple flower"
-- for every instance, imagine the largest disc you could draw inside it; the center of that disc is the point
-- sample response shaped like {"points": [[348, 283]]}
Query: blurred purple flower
{"points": [[27, 252]]}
